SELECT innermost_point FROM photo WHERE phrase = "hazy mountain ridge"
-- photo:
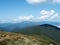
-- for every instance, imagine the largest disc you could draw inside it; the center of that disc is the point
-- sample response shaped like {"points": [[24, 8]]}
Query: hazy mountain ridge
{"points": [[12, 26]]}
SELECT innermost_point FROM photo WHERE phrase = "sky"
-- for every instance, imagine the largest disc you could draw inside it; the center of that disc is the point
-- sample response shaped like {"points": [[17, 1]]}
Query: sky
{"points": [[29, 10]]}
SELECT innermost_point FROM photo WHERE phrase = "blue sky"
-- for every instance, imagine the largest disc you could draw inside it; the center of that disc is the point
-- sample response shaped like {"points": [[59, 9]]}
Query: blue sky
{"points": [[29, 10]]}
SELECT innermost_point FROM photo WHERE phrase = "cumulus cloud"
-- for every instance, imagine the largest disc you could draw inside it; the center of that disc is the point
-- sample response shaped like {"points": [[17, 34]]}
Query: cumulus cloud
{"points": [[42, 1], [35, 1], [24, 18], [44, 15], [49, 15], [44, 12], [52, 12], [54, 16]]}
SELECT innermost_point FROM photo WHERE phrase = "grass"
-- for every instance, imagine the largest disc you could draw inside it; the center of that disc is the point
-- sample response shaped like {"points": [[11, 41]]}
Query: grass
{"points": [[8, 38]]}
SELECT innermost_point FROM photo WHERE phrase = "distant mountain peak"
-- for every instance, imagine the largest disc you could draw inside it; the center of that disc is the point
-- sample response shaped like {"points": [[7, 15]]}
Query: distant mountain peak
{"points": [[46, 25], [49, 25]]}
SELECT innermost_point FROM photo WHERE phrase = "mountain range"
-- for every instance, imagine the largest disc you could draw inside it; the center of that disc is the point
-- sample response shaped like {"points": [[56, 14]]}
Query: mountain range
{"points": [[46, 31], [11, 26]]}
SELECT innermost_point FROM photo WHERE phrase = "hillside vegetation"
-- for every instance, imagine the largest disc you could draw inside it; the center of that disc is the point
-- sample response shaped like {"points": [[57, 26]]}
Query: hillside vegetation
{"points": [[7, 38], [47, 30]]}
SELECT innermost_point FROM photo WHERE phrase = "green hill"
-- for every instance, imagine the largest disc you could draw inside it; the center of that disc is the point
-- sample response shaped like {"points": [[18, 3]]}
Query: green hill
{"points": [[36, 35], [7, 38], [50, 31]]}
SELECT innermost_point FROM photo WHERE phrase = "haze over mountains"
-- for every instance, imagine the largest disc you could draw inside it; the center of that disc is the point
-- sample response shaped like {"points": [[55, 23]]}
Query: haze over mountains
{"points": [[12, 26]]}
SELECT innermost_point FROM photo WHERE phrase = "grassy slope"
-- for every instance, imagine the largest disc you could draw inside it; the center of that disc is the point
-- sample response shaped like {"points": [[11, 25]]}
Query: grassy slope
{"points": [[47, 30], [7, 38]]}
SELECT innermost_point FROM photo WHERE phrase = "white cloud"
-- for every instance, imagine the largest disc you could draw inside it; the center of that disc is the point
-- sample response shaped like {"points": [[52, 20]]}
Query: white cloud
{"points": [[46, 14], [35, 1], [43, 17], [56, 1], [24, 18], [42, 1], [49, 15], [54, 16], [52, 12]]}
